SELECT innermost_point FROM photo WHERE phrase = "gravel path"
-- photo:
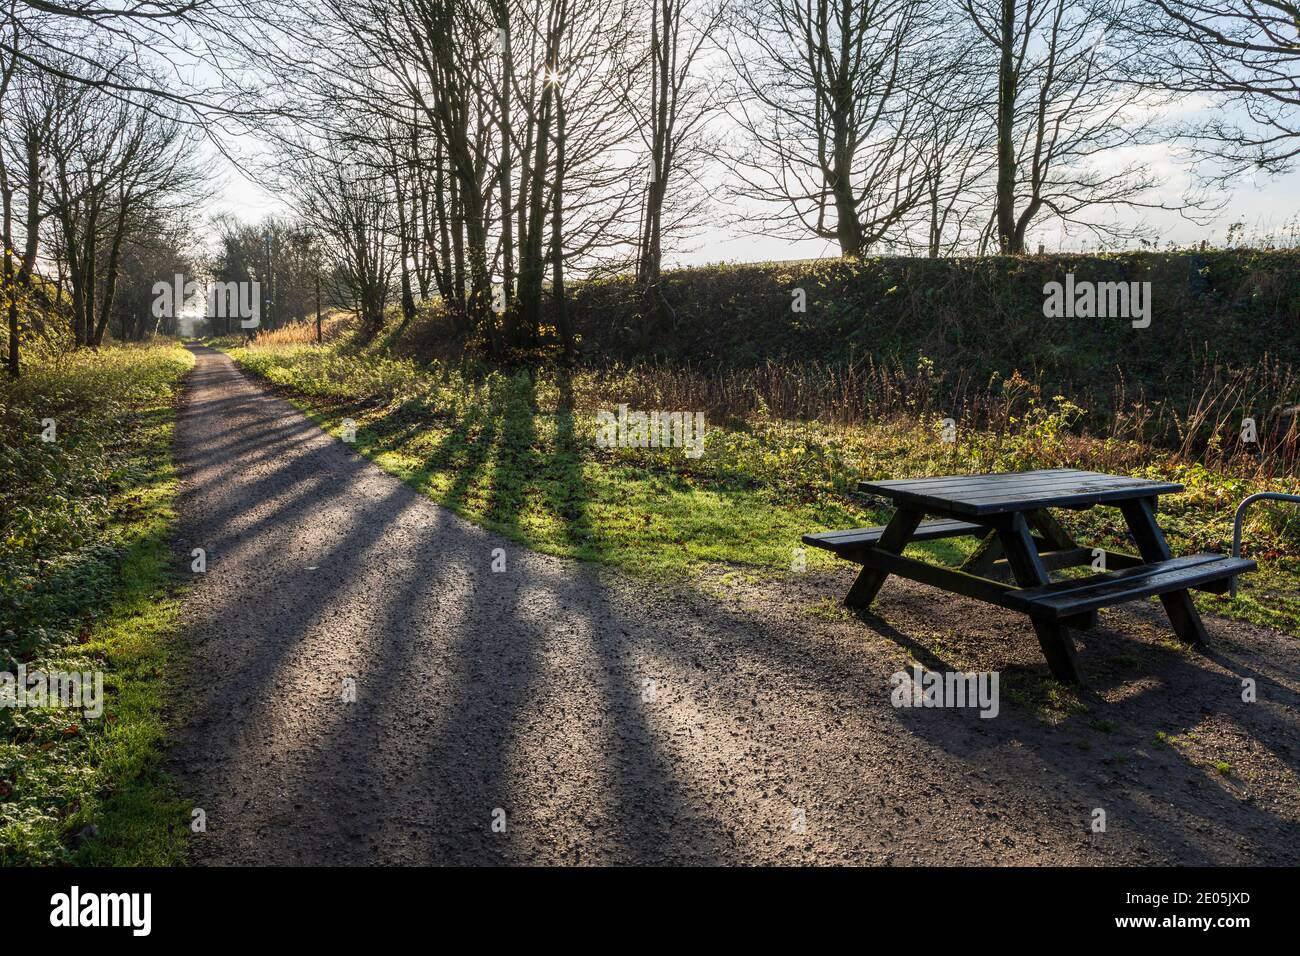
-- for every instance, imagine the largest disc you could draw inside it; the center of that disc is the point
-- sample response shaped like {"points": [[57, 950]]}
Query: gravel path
{"points": [[557, 713]]}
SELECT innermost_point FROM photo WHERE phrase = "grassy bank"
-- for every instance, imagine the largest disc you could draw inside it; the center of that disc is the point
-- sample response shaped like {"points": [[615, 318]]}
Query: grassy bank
{"points": [[981, 314], [518, 453], [852, 340], [85, 573]]}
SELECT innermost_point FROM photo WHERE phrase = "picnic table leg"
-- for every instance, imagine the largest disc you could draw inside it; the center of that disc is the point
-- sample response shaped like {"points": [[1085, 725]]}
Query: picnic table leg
{"points": [[1140, 513], [980, 561], [1027, 566], [897, 533], [1052, 531]]}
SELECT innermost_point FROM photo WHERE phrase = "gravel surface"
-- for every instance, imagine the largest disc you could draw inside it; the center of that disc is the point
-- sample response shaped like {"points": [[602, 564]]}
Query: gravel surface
{"points": [[556, 712]]}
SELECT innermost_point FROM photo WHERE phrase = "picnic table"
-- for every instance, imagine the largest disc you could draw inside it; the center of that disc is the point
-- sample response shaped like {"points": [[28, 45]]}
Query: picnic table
{"points": [[1022, 543]]}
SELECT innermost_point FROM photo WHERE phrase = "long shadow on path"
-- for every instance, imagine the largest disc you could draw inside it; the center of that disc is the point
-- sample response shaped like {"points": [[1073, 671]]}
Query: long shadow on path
{"points": [[372, 691]]}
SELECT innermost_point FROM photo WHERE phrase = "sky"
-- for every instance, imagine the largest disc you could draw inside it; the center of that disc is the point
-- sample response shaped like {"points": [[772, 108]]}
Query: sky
{"points": [[1265, 204]]}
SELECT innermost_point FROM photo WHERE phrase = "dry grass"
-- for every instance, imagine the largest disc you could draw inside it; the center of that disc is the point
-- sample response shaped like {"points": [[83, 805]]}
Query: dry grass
{"points": [[333, 326], [1207, 430]]}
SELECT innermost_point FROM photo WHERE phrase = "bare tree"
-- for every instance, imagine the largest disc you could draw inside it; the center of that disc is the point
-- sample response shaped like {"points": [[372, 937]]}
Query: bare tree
{"points": [[415, 78], [158, 246], [346, 201], [13, 286], [955, 139], [824, 99], [592, 191], [116, 48], [1061, 113], [671, 123], [282, 253], [505, 138], [111, 50], [400, 143], [537, 91], [111, 163], [1246, 54]]}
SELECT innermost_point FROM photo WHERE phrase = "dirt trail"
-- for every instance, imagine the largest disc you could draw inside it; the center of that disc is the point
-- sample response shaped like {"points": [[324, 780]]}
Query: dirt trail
{"points": [[608, 721]]}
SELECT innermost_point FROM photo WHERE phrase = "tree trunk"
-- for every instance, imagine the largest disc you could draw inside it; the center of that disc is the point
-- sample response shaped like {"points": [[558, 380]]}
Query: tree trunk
{"points": [[557, 234], [13, 319], [1010, 243], [403, 242], [531, 258], [10, 285], [110, 281], [479, 304], [935, 231], [458, 245], [848, 228], [660, 68], [73, 254], [507, 202], [445, 276]]}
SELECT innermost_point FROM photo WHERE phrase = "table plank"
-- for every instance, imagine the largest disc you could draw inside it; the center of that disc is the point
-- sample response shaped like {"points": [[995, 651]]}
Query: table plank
{"points": [[1002, 494], [958, 485], [977, 495], [1002, 479], [957, 482]]}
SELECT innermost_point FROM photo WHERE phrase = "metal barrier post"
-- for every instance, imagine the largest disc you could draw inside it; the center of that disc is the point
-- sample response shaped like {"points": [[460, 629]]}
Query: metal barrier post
{"points": [[1241, 513]]}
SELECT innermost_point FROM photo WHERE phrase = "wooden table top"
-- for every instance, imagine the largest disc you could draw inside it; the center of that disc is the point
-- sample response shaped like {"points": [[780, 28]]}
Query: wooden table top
{"points": [[1018, 491]]}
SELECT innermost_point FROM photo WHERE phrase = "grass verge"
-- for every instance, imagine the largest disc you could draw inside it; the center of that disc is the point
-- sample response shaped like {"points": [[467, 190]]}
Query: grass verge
{"points": [[87, 587]]}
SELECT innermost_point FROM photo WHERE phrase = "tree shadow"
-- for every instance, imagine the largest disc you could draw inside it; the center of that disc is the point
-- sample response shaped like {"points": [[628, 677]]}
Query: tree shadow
{"points": [[1150, 792], [567, 493], [470, 647], [525, 691]]}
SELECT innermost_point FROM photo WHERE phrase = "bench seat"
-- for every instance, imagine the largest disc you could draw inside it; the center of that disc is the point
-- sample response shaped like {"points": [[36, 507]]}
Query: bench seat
{"points": [[846, 542], [1066, 599]]}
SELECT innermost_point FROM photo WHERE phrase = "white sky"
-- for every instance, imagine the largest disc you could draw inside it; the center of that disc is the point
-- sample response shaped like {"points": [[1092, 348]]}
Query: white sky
{"points": [[1267, 206]]}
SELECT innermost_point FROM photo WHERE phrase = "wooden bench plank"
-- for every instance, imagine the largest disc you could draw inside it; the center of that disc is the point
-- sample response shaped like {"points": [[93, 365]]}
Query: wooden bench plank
{"points": [[1062, 599], [859, 538]]}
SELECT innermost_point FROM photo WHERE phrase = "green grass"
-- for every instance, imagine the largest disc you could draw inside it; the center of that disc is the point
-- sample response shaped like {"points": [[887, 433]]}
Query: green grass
{"points": [[498, 455], [517, 453], [88, 587]]}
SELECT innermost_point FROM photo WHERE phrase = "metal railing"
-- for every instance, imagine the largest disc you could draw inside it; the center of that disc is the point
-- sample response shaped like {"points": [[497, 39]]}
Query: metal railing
{"points": [[1241, 513]]}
